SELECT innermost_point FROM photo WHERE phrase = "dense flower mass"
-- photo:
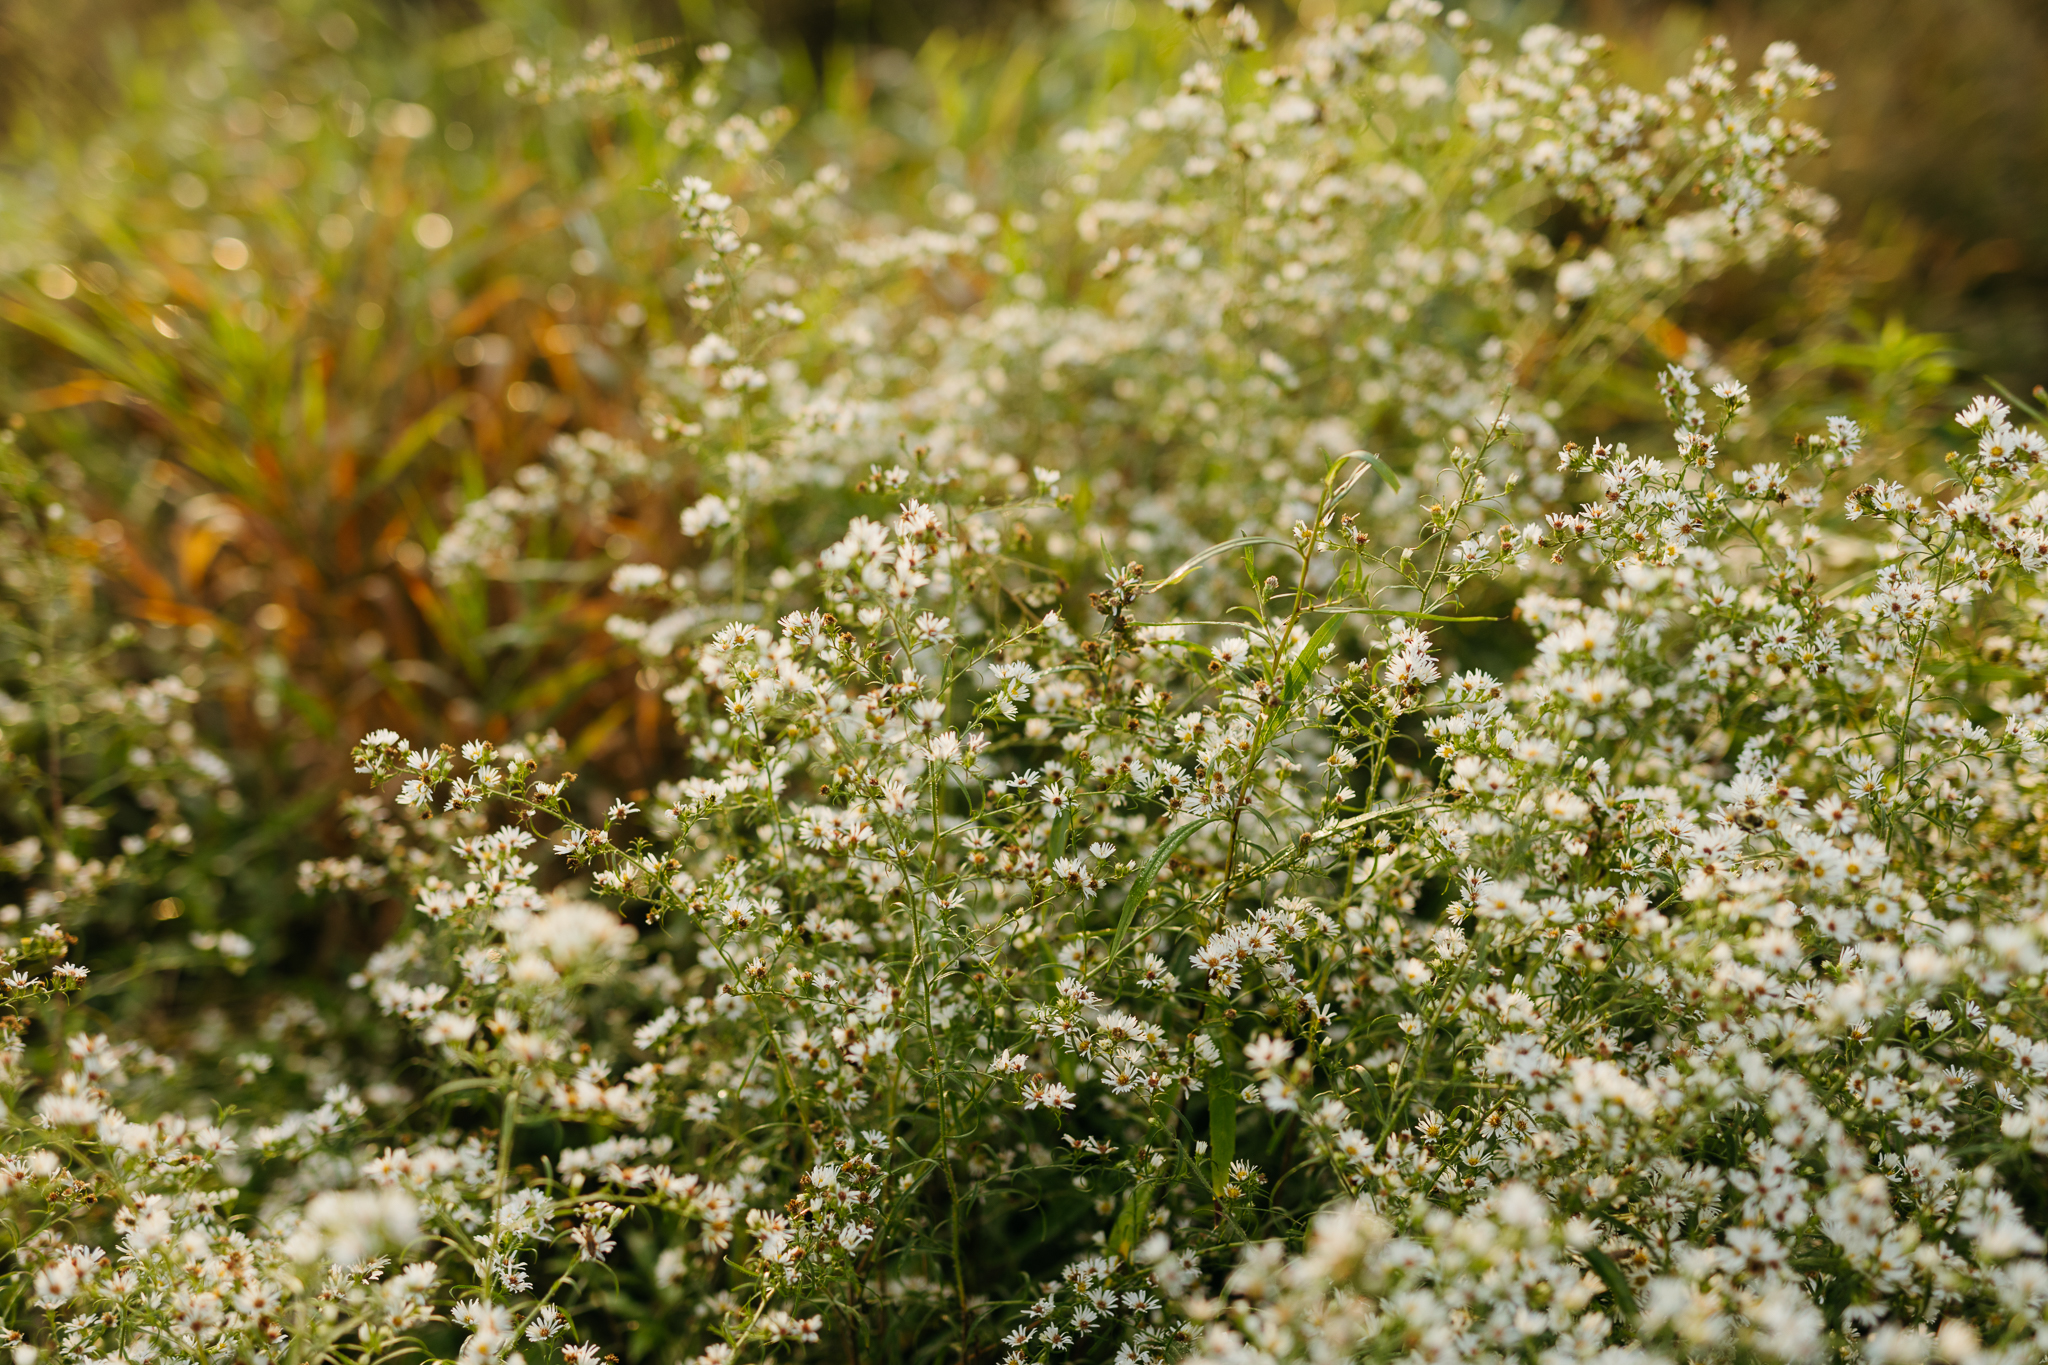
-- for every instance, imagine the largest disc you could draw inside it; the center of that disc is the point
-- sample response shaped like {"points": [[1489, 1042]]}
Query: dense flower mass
{"points": [[1219, 959], [1268, 266]]}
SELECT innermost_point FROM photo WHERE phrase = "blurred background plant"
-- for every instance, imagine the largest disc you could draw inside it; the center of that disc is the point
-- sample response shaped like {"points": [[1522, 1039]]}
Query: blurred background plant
{"points": [[105, 777], [124, 838], [289, 286], [1936, 124], [271, 313]]}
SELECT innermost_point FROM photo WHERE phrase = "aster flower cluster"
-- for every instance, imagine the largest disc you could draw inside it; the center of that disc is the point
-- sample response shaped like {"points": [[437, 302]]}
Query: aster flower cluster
{"points": [[1220, 964], [1677, 998], [1278, 258]]}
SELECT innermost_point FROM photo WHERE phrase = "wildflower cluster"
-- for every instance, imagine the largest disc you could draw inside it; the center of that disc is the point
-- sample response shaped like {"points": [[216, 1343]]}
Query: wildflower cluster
{"points": [[1222, 965], [1666, 997], [1278, 259], [103, 775]]}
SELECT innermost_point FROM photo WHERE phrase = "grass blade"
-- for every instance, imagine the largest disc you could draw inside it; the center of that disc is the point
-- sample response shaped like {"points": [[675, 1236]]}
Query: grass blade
{"points": [[1222, 1129], [1146, 876], [1241, 542]]}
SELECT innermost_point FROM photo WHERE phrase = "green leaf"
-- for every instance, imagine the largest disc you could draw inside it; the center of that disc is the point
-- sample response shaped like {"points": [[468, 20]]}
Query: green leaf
{"points": [[1409, 615], [1617, 1283], [1212, 552], [1132, 1222], [1222, 1128], [1393, 481], [413, 440], [1148, 874], [1056, 842], [465, 1083], [1305, 663]]}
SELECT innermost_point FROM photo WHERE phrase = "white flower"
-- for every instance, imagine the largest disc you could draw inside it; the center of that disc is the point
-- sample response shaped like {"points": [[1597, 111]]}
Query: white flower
{"points": [[629, 578], [1268, 1053], [1040, 1092], [449, 1028], [707, 512]]}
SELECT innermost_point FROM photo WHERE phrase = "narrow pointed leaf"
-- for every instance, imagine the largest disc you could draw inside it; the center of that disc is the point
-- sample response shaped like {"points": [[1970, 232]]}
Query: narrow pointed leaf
{"points": [[1303, 669], [1148, 874], [1375, 462], [1222, 1129], [1241, 542]]}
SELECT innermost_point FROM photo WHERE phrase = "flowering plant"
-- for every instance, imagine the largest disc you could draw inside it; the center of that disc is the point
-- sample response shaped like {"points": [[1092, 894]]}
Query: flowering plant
{"points": [[1223, 967], [104, 776], [1190, 309]]}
